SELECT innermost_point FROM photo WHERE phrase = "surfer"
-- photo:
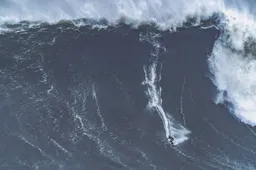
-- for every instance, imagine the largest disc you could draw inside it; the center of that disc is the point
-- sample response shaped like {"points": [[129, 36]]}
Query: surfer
{"points": [[170, 139]]}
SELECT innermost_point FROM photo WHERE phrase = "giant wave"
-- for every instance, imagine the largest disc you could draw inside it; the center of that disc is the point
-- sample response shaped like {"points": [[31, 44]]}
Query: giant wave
{"points": [[232, 62]]}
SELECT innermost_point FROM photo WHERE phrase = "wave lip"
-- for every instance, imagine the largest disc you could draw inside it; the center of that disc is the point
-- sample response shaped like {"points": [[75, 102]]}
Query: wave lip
{"points": [[165, 13]]}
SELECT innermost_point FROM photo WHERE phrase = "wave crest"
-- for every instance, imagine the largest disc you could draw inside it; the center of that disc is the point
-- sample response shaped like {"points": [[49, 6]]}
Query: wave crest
{"points": [[165, 13]]}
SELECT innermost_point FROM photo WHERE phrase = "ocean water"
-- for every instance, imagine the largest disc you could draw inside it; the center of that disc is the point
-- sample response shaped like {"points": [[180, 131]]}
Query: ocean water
{"points": [[100, 85]]}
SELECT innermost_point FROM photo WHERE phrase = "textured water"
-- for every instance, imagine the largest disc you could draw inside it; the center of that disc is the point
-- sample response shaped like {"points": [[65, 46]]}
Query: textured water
{"points": [[90, 95]]}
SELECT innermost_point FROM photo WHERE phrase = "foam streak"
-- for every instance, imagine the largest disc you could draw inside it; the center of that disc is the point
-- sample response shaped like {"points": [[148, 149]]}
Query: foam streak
{"points": [[181, 101], [94, 95], [34, 146], [60, 147], [152, 80]]}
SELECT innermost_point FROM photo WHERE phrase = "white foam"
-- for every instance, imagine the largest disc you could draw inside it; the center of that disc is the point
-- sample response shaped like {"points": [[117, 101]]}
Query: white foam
{"points": [[163, 12], [234, 70]]}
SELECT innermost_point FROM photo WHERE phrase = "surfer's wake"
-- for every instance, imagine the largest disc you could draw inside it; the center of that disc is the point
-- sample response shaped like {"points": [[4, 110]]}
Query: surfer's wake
{"points": [[175, 133]]}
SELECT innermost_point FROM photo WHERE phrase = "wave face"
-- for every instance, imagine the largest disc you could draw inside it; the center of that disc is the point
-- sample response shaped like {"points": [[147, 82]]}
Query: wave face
{"points": [[102, 84], [237, 23]]}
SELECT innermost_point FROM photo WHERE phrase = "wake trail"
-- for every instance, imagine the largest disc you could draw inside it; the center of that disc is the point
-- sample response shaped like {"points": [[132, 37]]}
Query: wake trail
{"points": [[94, 95], [152, 81], [181, 101], [154, 93]]}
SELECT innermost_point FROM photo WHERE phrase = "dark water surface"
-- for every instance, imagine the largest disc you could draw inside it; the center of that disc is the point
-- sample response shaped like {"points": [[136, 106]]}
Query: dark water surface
{"points": [[72, 98]]}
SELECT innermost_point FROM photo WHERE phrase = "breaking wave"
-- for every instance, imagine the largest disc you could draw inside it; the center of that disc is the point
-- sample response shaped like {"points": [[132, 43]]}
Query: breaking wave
{"points": [[232, 62], [233, 65], [164, 13]]}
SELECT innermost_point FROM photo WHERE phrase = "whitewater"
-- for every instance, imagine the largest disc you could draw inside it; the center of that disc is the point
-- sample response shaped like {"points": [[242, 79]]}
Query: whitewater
{"points": [[232, 62]]}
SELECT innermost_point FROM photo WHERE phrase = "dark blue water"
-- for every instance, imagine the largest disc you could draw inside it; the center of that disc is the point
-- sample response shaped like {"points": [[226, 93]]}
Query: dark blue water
{"points": [[73, 99]]}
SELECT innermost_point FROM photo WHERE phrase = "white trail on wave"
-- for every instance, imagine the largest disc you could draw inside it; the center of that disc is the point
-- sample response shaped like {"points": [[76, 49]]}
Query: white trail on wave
{"points": [[152, 80]]}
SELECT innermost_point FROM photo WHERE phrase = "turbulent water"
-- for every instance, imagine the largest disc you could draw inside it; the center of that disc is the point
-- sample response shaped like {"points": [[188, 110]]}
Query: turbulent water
{"points": [[91, 85]]}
